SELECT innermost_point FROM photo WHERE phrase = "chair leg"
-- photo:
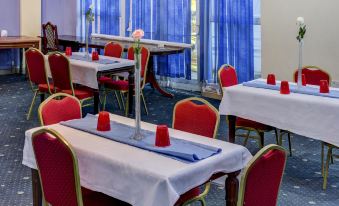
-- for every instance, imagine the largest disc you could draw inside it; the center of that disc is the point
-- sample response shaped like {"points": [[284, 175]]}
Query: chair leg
{"points": [[143, 99], [104, 102], [262, 141], [122, 101], [203, 202], [280, 138], [329, 154], [276, 135], [247, 137], [126, 107], [322, 158], [117, 97], [289, 143], [32, 105]]}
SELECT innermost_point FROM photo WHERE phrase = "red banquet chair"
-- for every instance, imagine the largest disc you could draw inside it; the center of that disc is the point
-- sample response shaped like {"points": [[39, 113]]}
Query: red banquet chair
{"points": [[62, 78], [37, 76], [59, 107], [50, 40], [261, 179], [116, 50], [54, 154], [313, 75], [227, 76], [122, 85], [201, 119]]}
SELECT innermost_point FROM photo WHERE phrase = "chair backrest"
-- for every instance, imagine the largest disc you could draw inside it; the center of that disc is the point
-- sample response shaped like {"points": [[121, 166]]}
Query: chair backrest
{"points": [[60, 71], [50, 38], [227, 76], [113, 50], [59, 107], [58, 168], [201, 119], [36, 66], [145, 55], [313, 75], [262, 177]]}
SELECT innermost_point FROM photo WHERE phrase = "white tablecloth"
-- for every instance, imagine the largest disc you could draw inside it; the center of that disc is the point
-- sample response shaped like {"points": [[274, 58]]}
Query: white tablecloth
{"points": [[311, 116], [85, 73], [137, 176]]}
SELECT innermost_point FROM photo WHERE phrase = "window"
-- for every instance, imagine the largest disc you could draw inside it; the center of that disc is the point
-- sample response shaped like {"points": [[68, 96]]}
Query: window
{"points": [[257, 37]]}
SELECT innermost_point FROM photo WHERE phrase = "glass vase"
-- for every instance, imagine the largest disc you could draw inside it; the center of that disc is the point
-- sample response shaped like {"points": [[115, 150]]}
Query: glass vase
{"points": [[300, 65], [137, 133], [87, 38]]}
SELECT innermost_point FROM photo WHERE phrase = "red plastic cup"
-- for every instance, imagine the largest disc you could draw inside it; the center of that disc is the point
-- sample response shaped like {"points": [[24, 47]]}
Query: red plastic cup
{"points": [[103, 122], [303, 80], [324, 88], [95, 56], [271, 79], [68, 51], [284, 87], [162, 138]]}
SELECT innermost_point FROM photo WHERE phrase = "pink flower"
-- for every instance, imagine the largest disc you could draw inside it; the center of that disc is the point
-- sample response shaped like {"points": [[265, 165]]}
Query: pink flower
{"points": [[138, 34]]}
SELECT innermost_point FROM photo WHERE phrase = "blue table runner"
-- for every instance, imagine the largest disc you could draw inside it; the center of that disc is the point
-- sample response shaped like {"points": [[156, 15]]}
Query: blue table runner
{"points": [[100, 61], [179, 149], [293, 88]]}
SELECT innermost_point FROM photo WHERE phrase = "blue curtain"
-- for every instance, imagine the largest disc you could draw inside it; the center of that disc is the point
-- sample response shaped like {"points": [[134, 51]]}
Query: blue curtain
{"points": [[109, 17], [167, 20], [226, 37], [108, 11]]}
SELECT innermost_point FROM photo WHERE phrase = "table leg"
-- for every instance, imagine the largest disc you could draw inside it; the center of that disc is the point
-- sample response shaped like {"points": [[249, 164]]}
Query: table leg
{"points": [[129, 107], [232, 187], [153, 81], [36, 188], [96, 101], [231, 128]]}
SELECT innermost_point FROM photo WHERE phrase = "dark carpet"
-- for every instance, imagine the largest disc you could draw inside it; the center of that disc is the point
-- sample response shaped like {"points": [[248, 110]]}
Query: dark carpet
{"points": [[302, 183]]}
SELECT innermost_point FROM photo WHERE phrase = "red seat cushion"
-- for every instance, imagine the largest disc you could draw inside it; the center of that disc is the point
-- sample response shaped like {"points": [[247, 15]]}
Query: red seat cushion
{"points": [[44, 88], [121, 85], [81, 92], [188, 195], [241, 122], [104, 79]]}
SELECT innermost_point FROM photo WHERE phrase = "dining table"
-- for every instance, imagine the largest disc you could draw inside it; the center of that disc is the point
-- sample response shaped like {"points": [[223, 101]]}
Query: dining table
{"points": [[86, 72], [304, 111], [142, 177], [76, 42]]}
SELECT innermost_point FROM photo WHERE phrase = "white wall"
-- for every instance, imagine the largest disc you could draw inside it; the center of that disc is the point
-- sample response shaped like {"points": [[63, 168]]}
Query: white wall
{"points": [[279, 31], [62, 13], [30, 17]]}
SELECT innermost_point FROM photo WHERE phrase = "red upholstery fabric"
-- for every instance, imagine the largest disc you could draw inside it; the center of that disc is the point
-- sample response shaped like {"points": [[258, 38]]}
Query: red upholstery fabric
{"points": [[263, 180], [113, 50], [144, 58], [81, 92], [120, 85], [252, 124], [188, 195], [59, 187], [104, 79], [36, 66], [194, 118], [313, 76], [60, 71], [56, 111], [228, 76], [44, 88]]}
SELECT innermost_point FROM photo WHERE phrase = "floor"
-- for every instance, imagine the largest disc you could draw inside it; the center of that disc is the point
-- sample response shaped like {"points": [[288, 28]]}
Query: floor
{"points": [[302, 183]]}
